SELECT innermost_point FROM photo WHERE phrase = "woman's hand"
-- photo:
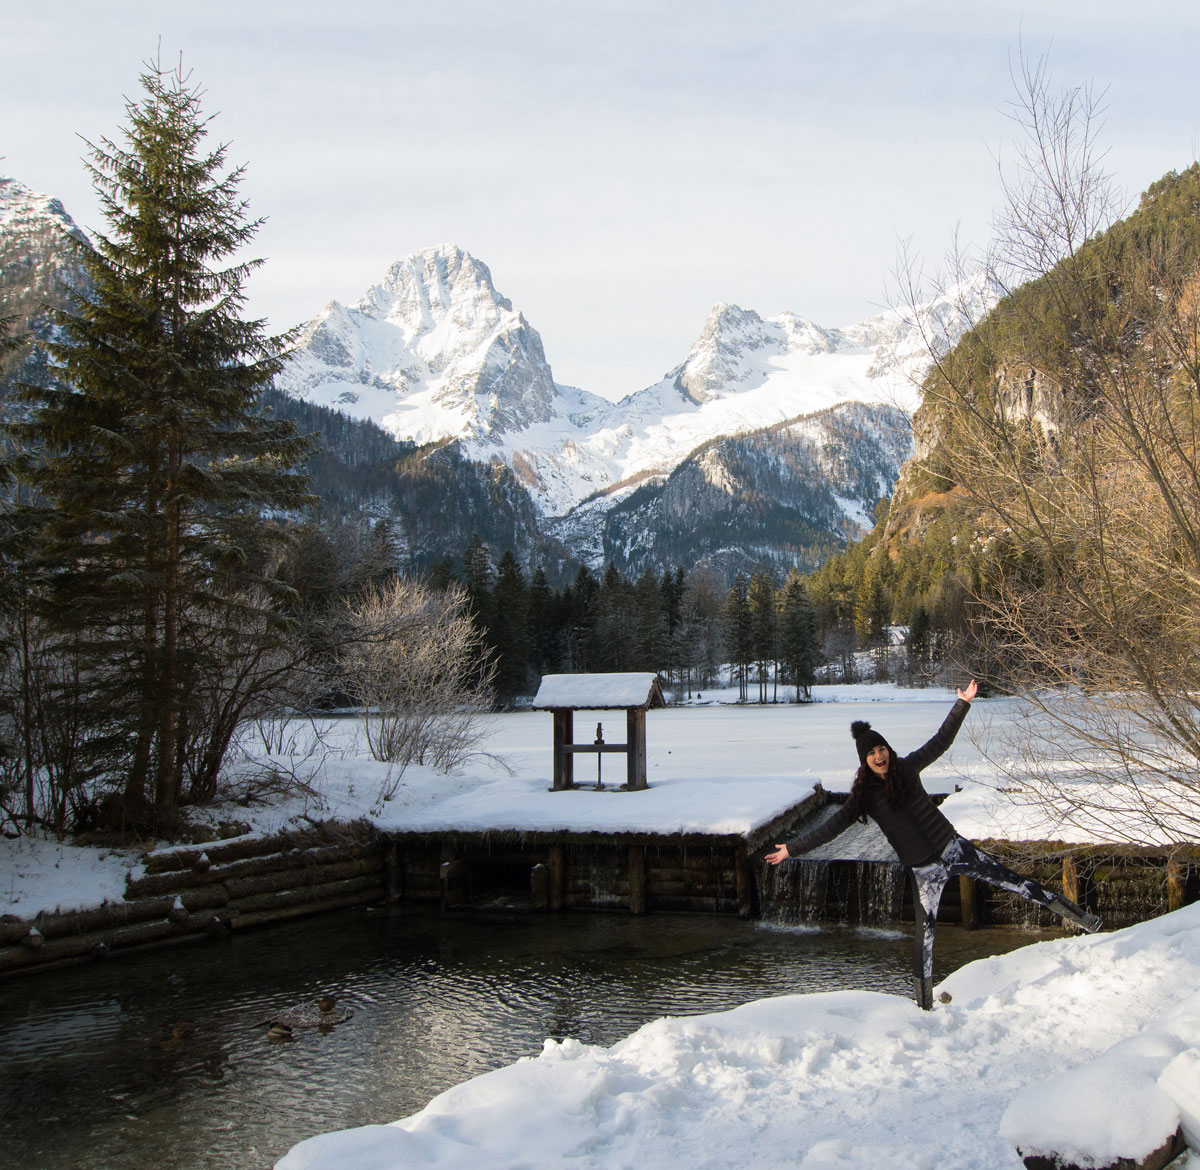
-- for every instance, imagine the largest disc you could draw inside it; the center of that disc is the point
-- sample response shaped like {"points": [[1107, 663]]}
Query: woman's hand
{"points": [[969, 692], [781, 854]]}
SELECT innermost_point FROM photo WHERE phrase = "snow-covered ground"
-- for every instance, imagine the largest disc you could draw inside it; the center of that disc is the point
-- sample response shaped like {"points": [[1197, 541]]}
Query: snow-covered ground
{"points": [[1062, 1044], [713, 766], [1059, 1046]]}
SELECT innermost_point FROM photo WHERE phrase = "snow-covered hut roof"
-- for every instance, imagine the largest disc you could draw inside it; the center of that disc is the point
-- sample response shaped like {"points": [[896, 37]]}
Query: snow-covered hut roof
{"points": [[599, 692]]}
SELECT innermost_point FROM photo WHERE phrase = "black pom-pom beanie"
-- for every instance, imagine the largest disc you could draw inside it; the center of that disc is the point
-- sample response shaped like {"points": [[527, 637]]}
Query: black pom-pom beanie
{"points": [[865, 738]]}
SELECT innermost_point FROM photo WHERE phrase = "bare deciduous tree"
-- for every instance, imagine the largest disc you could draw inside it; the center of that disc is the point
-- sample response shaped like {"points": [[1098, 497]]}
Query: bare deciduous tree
{"points": [[417, 664], [1069, 422]]}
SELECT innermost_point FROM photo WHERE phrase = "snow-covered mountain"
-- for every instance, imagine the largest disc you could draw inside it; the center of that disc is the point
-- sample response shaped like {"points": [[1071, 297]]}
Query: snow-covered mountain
{"points": [[771, 441], [435, 352], [39, 264]]}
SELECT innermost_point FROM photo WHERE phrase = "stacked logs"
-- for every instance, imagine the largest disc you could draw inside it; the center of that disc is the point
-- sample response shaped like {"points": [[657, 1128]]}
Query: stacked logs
{"points": [[196, 892]]}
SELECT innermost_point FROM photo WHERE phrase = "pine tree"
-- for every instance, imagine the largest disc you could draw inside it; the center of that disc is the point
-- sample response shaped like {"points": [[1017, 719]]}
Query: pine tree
{"points": [[510, 633], [579, 625], [798, 636], [738, 631], [543, 623], [157, 461], [649, 633], [614, 623], [763, 626]]}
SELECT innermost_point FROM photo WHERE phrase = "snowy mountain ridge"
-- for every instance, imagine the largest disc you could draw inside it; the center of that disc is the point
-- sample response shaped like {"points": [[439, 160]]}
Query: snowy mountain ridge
{"points": [[434, 352], [756, 446], [24, 211]]}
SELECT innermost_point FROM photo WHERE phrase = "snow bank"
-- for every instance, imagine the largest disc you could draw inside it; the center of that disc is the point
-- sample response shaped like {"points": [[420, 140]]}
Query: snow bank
{"points": [[843, 1079], [40, 875]]}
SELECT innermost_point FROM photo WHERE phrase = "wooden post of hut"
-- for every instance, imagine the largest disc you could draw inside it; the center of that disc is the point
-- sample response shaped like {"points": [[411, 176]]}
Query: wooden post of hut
{"points": [[564, 694], [968, 895]]}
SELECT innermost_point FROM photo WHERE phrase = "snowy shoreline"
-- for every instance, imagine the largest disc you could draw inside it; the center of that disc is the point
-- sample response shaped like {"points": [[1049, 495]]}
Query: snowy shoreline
{"points": [[1086, 1046]]}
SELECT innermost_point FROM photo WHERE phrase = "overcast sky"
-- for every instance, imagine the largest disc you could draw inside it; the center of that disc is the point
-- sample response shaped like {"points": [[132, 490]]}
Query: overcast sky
{"points": [[620, 167]]}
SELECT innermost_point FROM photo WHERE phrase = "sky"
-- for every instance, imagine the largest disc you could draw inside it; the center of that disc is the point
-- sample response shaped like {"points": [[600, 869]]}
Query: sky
{"points": [[620, 166]]}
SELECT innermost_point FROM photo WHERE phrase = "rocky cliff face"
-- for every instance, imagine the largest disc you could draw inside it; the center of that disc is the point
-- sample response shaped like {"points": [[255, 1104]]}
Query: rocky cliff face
{"points": [[431, 352], [39, 269], [1022, 393], [787, 495]]}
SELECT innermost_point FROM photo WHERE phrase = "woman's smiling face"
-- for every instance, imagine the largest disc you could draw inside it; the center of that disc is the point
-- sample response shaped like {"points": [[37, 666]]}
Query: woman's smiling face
{"points": [[877, 759]]}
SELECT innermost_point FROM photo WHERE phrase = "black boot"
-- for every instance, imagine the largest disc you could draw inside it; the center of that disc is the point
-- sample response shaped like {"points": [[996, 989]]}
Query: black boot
{"points": [[923, 992], [1069, 912]]}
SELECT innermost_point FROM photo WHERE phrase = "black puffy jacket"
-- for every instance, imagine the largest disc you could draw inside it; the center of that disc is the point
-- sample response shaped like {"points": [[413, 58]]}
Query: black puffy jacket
{"points": [[915, 828]]}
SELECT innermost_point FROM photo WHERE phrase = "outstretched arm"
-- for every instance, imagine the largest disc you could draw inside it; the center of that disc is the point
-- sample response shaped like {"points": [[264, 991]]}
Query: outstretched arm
{"points": [[944, 736], [838, 823]]}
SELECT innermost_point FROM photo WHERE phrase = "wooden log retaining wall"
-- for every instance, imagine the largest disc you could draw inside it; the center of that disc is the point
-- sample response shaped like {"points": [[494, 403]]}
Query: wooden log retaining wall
{"points": [[197, 892], [1124, 884], [634, 873]]}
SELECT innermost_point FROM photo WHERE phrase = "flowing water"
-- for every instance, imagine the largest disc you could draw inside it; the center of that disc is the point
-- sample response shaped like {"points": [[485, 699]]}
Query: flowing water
{"points": [[91, 1078]]}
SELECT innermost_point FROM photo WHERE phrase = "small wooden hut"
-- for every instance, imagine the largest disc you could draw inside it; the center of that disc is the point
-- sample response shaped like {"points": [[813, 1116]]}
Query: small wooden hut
{"points": [[564, 694]]}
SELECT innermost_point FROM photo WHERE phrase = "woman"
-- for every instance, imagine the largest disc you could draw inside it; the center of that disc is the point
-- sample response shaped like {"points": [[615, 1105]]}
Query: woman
{"points": [[889, 790]]}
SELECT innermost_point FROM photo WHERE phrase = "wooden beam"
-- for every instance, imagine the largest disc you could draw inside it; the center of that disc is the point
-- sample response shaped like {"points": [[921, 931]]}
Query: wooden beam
{"points": [[744, 878], [557, 862], [635, 720], [1070, 879], [1176, 883], [637, 879], [968, 895], [564, 731]]}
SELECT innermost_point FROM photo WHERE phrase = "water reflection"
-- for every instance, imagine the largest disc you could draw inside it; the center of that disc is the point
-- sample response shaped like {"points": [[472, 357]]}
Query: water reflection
{"points": [[90, 1075]]}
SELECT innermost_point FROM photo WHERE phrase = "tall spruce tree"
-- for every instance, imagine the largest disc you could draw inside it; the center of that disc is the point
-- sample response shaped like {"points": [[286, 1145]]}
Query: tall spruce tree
{"points": [[798, 636], [510, 632], [156, 459]]}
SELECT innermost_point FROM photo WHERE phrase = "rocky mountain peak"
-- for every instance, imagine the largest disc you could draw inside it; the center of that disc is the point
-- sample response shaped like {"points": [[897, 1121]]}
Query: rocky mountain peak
{"points": [[39, 268], [712, 365], [29, 213], [431, 351], [435, 288]]}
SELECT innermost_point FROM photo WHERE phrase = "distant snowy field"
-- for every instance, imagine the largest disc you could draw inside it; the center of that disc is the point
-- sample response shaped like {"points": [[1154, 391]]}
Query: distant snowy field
{"points": [[713, 766]]}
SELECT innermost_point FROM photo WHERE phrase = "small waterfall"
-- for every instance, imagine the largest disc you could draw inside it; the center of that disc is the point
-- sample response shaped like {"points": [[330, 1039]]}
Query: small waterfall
{"points": [[862, 893], [880, 889], [794, 892], [856, 878]]}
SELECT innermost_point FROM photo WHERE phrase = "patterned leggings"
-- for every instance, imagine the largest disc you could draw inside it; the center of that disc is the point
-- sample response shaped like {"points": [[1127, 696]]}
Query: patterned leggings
{"points": [[961, 859]]}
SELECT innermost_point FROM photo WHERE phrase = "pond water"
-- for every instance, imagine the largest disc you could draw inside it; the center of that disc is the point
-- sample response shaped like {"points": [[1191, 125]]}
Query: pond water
{"points": [[91, 1078]]}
